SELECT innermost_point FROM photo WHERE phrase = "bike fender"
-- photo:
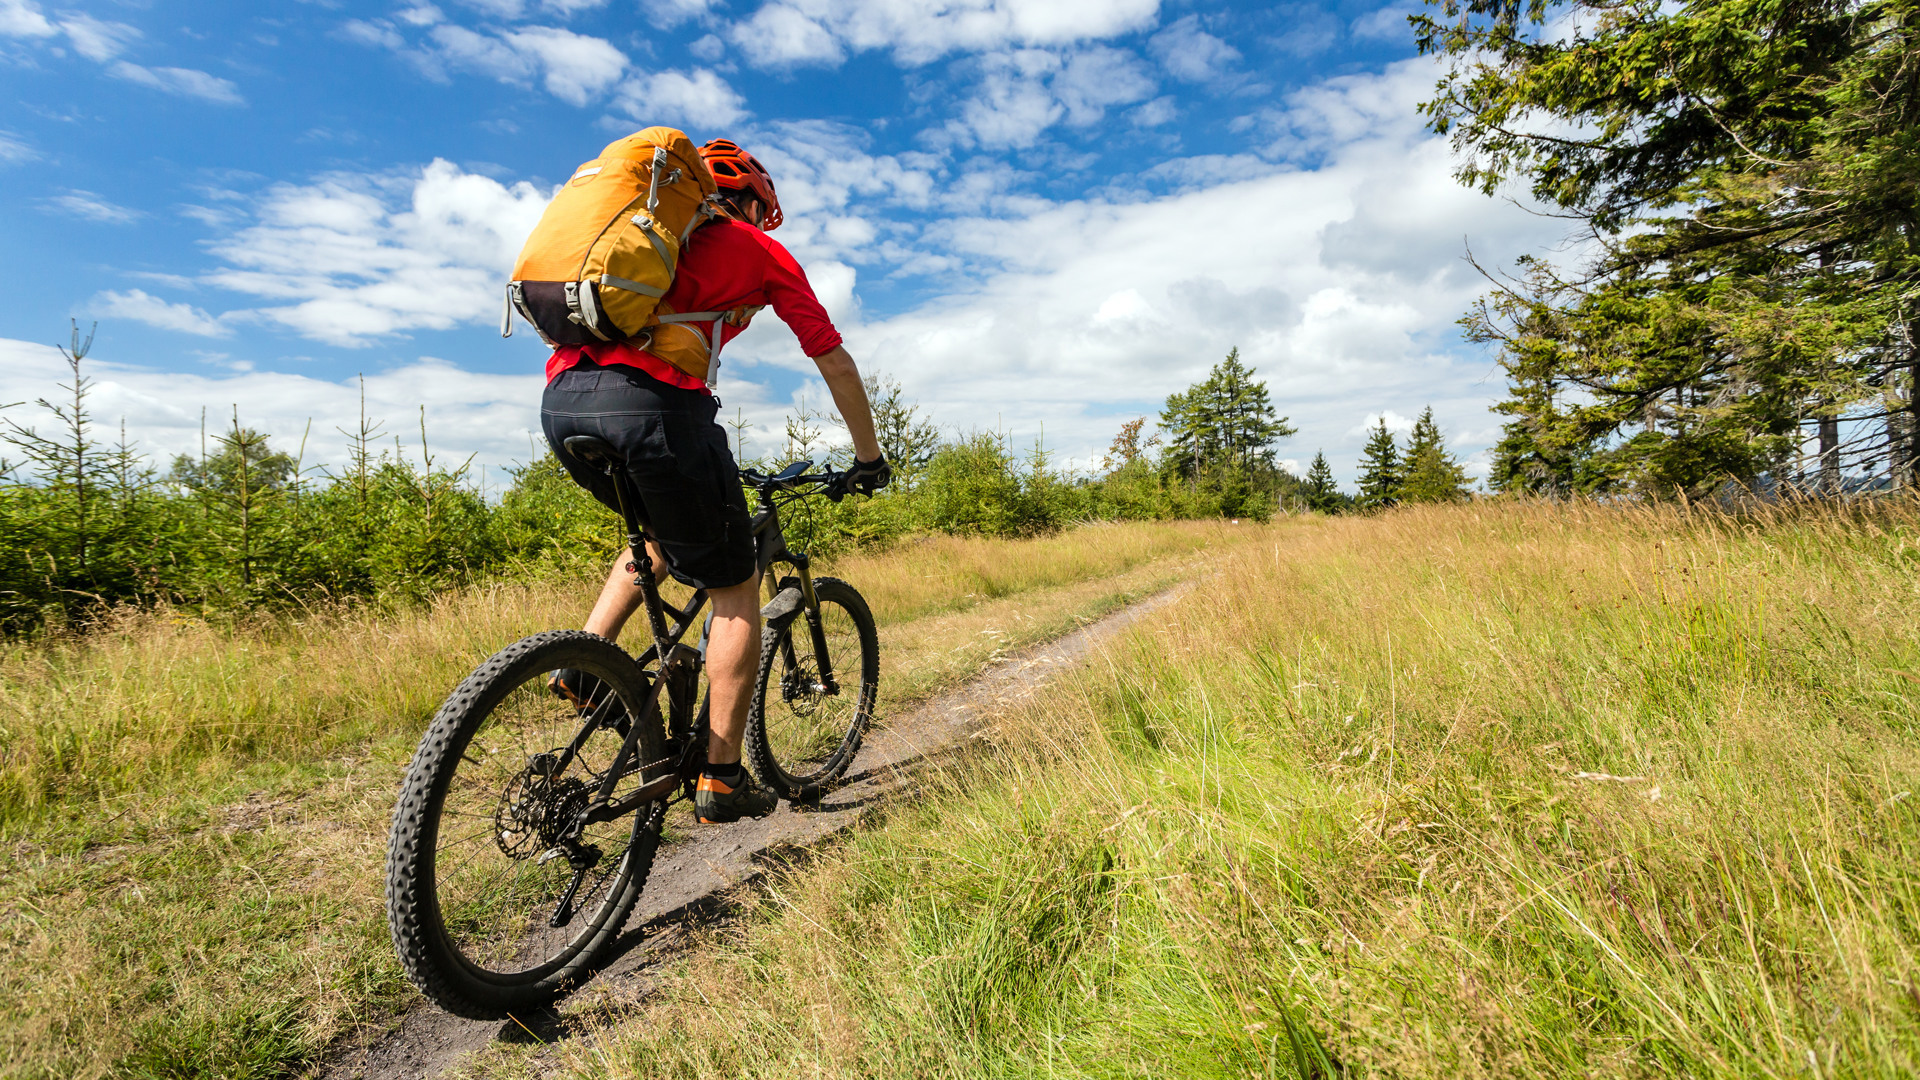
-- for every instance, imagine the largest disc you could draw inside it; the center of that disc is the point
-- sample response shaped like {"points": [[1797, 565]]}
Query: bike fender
{"points": [[782, 608]]}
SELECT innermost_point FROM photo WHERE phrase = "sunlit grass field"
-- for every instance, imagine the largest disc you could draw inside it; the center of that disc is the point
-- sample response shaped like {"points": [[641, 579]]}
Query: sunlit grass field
{"points": [[195, 815], [1501, 790]]}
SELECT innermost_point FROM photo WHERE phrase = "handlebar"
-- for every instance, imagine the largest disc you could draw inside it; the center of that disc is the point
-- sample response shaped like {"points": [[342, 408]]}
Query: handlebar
{"points": [[794, 476]]}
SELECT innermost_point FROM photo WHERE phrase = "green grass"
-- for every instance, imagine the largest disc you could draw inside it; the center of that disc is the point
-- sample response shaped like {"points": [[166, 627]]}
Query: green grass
{"points": [[1492, 790]]}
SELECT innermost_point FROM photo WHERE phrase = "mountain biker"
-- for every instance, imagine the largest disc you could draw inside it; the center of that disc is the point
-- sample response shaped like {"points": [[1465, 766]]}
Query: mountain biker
{"points": [[662, 420]]}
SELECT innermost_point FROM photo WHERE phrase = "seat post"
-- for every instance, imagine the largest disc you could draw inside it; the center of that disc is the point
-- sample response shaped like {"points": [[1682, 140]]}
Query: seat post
{"points": [[629, 500]]}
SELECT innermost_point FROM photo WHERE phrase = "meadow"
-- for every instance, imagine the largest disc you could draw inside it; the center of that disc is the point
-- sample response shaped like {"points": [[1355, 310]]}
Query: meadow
{"points": [[195, 810], [1504, 789]]}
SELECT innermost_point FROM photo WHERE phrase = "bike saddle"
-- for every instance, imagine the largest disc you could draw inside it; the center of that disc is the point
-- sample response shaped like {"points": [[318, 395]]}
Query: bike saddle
{"points": [[595, 451]]}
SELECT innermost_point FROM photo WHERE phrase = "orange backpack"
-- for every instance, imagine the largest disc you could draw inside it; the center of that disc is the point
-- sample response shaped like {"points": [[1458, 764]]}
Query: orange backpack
{"points": [[605, 251]]}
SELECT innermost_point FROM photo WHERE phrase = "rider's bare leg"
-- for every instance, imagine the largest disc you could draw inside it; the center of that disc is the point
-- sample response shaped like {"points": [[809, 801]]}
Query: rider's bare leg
{"points": [[620, 597], [732, 644]]}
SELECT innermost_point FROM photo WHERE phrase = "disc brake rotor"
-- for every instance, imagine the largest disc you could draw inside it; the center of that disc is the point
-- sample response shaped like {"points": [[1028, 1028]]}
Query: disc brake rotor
{"points": [[536, 809], [800, 688]]}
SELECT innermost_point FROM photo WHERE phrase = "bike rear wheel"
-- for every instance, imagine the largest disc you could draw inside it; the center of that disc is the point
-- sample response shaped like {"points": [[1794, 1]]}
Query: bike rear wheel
{"points": [[475, 880], [800, 736]]}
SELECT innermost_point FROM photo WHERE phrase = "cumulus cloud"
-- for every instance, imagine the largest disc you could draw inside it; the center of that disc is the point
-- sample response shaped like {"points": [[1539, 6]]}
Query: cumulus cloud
{"points": [[573, 67], [1019, 94], [180, 82], [353, 258], [1339, 282], [779, 35], [142, 307], [85, 204], [920, 31], [1333, 262], [698, 98]]}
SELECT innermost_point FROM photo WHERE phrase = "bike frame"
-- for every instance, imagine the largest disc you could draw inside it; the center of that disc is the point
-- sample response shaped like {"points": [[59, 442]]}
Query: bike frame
{"points": [[681, 663]]}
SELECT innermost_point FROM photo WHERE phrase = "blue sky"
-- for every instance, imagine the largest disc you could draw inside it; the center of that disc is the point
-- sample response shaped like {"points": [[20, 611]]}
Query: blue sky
{"points": [[1038, 216]]}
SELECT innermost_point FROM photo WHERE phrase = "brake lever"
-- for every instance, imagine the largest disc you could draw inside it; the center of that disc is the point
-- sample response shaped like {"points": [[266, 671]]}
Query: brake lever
{"points": [[833, 488]]}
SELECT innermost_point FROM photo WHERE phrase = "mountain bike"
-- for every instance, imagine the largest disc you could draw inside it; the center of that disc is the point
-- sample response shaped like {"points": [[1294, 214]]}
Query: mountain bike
{"points": [[527, 824]]}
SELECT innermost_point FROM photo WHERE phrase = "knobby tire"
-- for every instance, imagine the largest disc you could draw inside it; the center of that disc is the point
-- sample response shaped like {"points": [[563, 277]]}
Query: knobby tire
{"points": [[433, 958], [805, 777]]}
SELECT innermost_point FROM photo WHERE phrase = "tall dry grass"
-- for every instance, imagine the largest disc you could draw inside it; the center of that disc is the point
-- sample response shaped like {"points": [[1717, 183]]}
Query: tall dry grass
{"points": [[1502, 790]]}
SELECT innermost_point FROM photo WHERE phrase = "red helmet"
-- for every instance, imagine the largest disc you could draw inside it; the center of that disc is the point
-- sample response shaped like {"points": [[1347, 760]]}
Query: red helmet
{"points": [[737, 170]]}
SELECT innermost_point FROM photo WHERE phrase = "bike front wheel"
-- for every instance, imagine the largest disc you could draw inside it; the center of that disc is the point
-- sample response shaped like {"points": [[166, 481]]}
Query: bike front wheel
{"points": [[802, 731], [493, 911]]}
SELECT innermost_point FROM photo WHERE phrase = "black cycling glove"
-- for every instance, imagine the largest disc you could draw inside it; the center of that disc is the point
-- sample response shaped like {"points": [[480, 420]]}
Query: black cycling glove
{"points": [[866, 477]]}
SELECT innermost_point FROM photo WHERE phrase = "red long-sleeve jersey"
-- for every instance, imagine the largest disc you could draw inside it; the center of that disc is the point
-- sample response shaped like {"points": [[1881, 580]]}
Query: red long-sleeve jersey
{"points": [[728, 264]]}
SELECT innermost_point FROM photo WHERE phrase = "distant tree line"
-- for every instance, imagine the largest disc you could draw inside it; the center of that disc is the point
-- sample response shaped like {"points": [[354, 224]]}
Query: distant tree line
{"points": [[1742, 174], [88, 524]]}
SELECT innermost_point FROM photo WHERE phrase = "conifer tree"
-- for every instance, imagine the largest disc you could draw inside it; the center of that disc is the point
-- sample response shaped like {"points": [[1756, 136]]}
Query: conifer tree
{"points": [[1321, 492], [1227, 422], [1381, 470], [1432, 473]]}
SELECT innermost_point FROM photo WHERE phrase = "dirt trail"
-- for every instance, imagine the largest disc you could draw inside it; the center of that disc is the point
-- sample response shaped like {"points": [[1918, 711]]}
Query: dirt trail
{"points": [[692, 880]]}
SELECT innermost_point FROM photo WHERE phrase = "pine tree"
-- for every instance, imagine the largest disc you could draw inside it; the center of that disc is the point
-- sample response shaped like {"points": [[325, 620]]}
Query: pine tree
{"points": [[1381, 471], [1432, 473], [1227, 422], [1321, 492]]}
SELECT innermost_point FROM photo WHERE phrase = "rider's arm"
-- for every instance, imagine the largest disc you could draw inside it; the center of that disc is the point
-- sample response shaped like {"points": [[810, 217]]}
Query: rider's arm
{"points": [[850, 397]]}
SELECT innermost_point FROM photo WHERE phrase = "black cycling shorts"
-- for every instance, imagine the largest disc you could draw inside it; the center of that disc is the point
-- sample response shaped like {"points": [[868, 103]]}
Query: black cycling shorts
{"points": [[677, 455]]}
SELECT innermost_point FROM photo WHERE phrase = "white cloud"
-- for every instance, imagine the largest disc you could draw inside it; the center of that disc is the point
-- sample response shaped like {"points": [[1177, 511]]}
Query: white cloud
{"points": [[421, 14], [573, 67], [1095, 78], [181, 82], [1012, 104], [520, 9], [103, 42], [1339, 283], [96, 40], [921, 31], [668, 14], [153, 311], [1021, 93], [1161, 110], [1387, 24], [85, 204], [577, 67], [779, 36], [13, 149], [22, 18], [496, 417], [1190, 53], [698, 98], [355, 258], [379, 36], [1396, 422]]}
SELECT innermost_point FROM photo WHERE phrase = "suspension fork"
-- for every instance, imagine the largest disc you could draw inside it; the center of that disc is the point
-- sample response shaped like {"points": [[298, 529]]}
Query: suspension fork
{"points": [[815, 628]]}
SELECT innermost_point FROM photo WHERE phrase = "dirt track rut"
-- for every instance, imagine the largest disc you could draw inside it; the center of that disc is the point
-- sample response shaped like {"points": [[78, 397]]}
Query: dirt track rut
{"points": [[692, 880]]}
